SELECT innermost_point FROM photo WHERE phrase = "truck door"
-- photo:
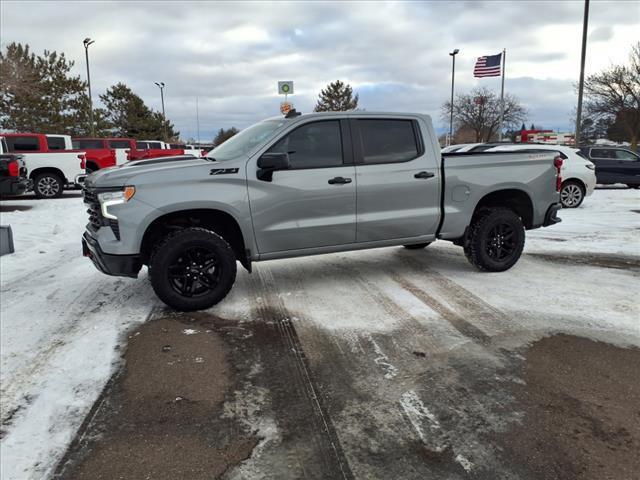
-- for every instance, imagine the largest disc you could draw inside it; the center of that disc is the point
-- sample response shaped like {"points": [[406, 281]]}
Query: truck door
{"points": [[398, 181], [312, 204]]}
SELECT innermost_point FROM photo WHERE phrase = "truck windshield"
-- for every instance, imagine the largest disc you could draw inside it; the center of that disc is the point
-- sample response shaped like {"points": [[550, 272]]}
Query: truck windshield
{"points": [[242, 143]]}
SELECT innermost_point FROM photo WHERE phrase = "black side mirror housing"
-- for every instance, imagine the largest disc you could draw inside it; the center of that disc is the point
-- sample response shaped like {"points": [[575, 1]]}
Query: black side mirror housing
{"points": [[271, 162]]}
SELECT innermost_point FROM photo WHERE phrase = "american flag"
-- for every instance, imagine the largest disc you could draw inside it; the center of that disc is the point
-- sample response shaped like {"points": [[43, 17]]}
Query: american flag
{"points": [[488, 66]]}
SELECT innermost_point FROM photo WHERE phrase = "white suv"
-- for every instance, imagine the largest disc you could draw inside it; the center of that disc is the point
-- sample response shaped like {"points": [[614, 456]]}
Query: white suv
{"points": [[578, 173]]}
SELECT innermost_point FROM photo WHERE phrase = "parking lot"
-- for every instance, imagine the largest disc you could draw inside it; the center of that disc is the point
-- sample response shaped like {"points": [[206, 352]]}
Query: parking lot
{"points": [[385, 363]]}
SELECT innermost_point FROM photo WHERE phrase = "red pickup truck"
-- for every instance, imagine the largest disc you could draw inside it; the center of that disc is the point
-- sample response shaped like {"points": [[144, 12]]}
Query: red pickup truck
{"points": [[96, 146], [126, 149]]}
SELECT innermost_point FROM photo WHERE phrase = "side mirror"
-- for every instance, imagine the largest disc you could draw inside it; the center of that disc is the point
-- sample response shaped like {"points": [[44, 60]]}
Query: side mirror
{"points": [[269, 163]]}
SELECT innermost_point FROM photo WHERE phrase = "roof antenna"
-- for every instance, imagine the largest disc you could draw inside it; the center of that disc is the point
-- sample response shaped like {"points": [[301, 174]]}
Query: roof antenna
{"points": [[293, 113]]}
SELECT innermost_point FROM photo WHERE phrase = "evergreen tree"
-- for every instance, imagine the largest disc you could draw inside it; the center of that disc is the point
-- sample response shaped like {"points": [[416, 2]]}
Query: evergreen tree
{"points": [[224, 135], [39, 94], [128, 116], [337, 97]]}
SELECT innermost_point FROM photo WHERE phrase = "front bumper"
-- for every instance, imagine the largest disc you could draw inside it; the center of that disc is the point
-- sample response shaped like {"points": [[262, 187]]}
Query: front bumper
{"points": [[117, 265], [551, 217]]}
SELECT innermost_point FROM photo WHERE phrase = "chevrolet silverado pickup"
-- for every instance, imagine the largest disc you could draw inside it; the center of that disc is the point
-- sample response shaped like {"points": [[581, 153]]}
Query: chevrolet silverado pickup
{"points": [[51, 166], [312, 184]]}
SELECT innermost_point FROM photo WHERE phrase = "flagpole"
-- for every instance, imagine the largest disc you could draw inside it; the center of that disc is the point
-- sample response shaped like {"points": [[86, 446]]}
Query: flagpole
{"points": [[504, 61]]}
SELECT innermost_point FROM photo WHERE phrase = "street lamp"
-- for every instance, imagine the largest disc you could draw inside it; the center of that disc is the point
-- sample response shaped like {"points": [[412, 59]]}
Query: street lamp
{"points": [[87, 41], [453, 74], [164, 118]]}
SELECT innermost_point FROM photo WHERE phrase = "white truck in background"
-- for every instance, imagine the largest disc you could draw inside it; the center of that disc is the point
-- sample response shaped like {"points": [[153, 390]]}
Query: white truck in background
{"points": [[51, 165]]}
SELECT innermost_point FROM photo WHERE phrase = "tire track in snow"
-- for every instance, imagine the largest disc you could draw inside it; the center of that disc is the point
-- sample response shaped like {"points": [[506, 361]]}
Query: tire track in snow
{"points": [[272, 309]]}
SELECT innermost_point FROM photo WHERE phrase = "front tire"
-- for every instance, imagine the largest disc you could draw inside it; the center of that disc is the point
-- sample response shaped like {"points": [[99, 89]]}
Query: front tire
{"points": [[417, 246], [571, 194], [48, 185], [192, 269], [495, 241]]}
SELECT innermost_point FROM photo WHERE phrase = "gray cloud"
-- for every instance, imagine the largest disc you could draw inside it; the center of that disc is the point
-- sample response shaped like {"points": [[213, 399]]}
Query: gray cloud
{"points": [[230, 55]]}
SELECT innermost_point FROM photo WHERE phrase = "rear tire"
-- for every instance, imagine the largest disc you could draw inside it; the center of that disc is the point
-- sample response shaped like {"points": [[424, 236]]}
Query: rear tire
{"points": [[571, 194], [48, 185], [495, 240], [417, 246], [192, 269]]}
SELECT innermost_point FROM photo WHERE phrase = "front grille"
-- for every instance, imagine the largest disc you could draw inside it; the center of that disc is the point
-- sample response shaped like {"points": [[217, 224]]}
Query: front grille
{"points": [[96, 220]]}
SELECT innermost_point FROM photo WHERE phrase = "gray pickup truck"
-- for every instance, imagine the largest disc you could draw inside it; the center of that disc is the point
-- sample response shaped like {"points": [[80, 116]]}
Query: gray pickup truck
{"points": [[306, 185]]}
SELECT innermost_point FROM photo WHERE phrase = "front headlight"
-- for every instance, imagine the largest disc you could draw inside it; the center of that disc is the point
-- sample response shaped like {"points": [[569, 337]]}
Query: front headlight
{"points": [[119, 197]]}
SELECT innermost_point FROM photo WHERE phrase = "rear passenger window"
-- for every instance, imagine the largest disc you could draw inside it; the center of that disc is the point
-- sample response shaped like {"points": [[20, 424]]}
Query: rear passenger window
{"points": [[604, 153], [387, 141], [55, 143], [314, 145], [119, 144]]}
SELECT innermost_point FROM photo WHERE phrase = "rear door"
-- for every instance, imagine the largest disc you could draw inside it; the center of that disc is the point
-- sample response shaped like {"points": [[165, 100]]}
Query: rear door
{"points": [[313, 204], [398, 182], [605, 161]]}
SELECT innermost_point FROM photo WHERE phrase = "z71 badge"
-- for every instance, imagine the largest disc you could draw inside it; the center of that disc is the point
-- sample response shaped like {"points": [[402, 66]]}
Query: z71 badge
{"points": [[223, 171]]}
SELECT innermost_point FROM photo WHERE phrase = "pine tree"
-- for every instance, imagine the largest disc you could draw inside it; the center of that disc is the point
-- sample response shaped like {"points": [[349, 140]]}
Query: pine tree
{"points": [[224, 135], [128, 116], [337, 97], [39, 94]]}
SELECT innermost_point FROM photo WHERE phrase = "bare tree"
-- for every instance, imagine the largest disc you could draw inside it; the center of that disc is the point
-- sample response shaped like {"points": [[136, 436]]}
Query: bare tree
{"points": [[614, 95], [479, 111]]}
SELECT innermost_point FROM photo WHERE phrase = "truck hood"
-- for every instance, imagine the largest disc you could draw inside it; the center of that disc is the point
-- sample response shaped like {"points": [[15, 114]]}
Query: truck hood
{"points": [[120, 175]]}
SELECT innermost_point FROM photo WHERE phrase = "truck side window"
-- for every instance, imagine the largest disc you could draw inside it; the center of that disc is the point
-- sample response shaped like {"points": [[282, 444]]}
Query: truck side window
{"points": [[55, 143], [119, 144], [23, 144], [387, 141], [314, 145]]}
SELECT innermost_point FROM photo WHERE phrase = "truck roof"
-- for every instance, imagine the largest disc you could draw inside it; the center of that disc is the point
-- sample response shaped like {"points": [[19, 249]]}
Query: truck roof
{"points": [[356, 112]]}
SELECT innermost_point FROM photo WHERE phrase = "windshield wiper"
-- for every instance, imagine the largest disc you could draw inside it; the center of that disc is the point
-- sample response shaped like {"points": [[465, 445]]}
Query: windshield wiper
{"points": [[211, 159]]}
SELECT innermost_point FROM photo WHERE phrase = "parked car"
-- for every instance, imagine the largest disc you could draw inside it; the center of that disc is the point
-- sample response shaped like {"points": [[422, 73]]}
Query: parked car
{"points": [[104, 152], [614, 164], [50, 168], [13, 173], [578, 173], [312, 184]]}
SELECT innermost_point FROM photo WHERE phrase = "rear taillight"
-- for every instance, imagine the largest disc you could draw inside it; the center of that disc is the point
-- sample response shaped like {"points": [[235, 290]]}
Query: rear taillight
{"points": [[557, 162], [83, 162], [14, 169]]}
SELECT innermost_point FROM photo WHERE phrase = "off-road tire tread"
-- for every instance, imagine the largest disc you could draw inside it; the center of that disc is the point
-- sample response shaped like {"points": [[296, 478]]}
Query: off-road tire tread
{"points": [[222, 243], [472, 249]]}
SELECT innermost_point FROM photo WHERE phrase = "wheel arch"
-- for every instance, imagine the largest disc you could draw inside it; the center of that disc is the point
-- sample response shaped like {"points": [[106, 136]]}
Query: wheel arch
{"points": [[57, 171], [218, 221], [513, 198]]}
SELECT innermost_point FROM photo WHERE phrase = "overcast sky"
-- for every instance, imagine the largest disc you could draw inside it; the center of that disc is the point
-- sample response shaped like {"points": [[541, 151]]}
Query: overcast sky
{"points": [[395, 55]]}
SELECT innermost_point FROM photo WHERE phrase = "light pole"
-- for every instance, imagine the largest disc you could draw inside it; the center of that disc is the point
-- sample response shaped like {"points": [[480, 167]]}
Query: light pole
{"points": [[87, 41], [585, 25], [164, 118], [453, 75]]}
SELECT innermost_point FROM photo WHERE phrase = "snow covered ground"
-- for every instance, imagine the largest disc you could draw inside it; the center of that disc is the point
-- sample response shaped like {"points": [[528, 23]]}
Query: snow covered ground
{"points": [[62, 323]]}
